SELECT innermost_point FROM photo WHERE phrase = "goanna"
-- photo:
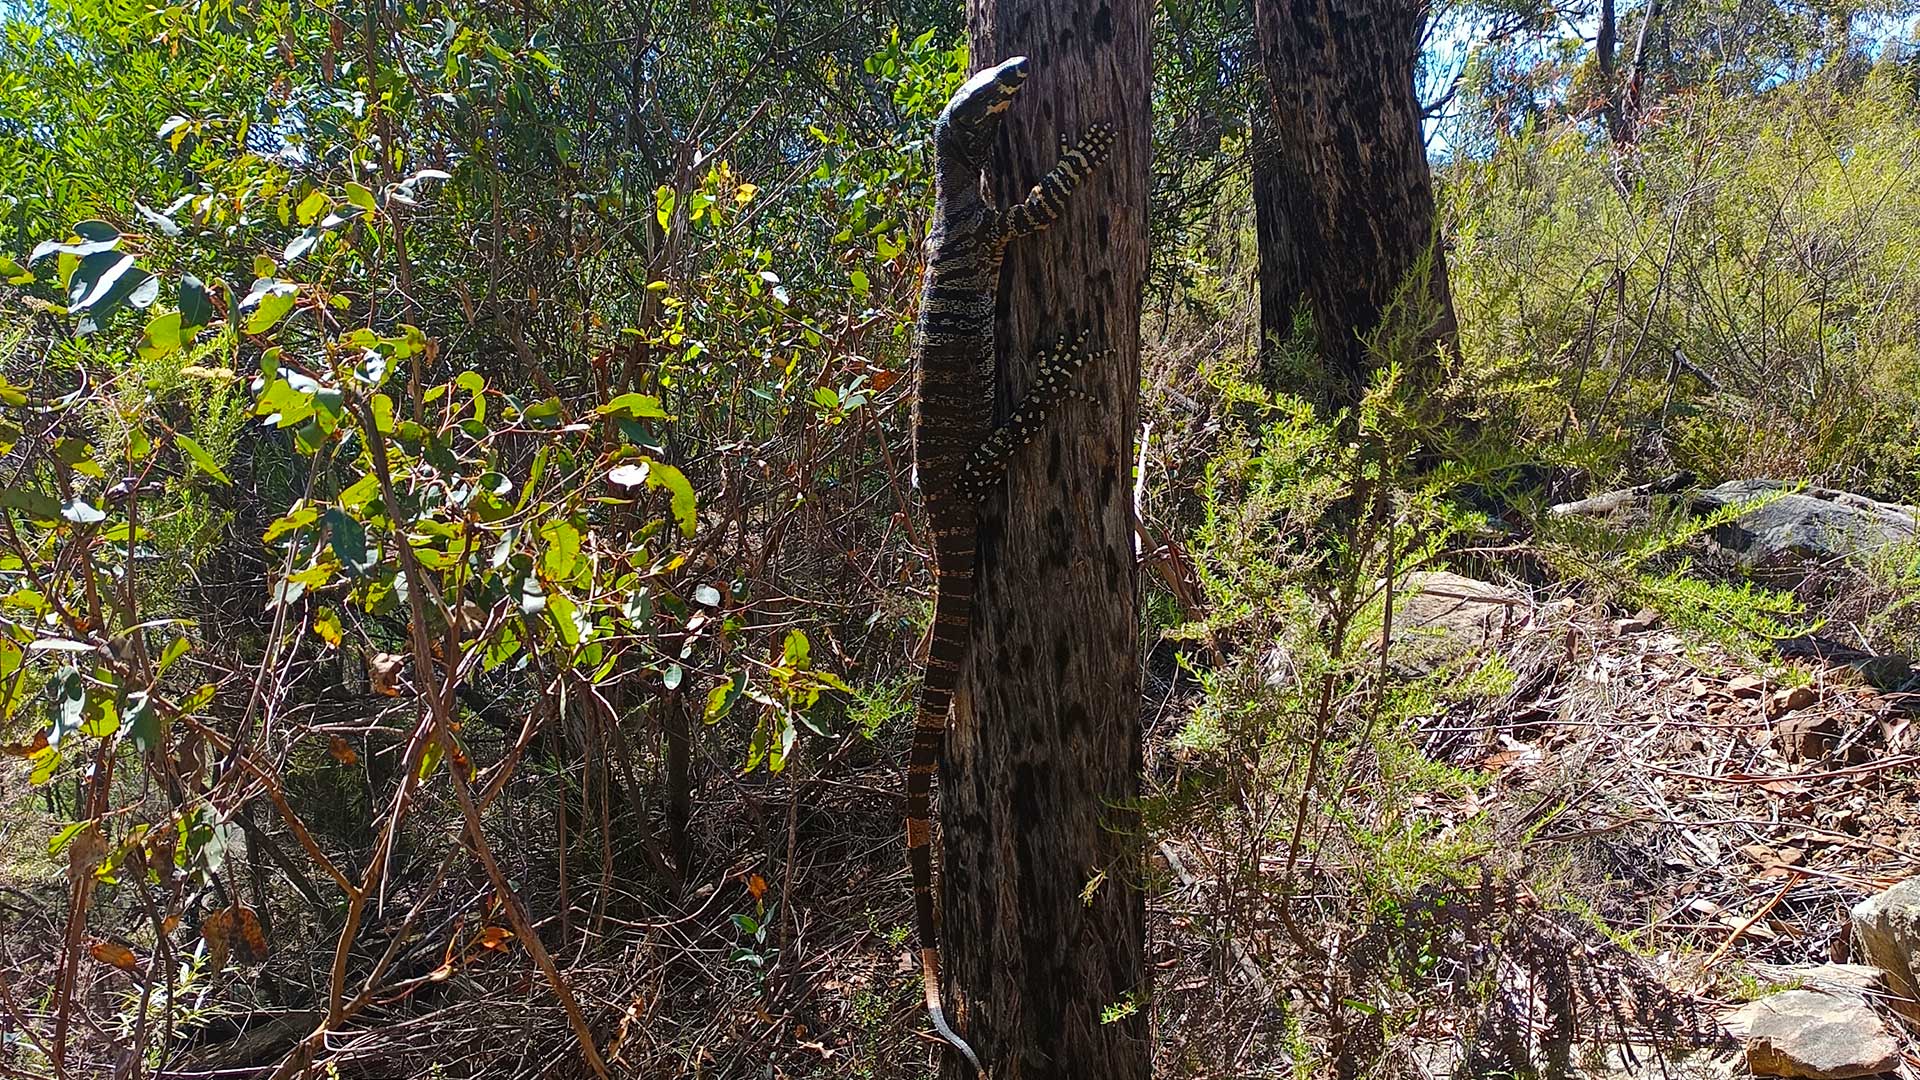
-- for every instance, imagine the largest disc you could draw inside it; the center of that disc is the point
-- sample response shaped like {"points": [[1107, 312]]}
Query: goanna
{"points": [[957, 450]]}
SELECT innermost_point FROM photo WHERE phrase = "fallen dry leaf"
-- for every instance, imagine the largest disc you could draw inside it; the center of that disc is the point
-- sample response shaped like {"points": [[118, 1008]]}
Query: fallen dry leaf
{"points": [[114, 953], [342, 751], [384, 672]]}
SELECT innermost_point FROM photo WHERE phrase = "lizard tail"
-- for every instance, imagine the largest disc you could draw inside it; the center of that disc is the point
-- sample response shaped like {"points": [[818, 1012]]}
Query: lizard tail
{"points": [[952, 605], [930, 975]]}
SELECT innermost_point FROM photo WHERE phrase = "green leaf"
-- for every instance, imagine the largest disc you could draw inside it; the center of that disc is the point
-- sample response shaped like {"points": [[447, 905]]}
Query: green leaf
{"points": [[310, 207], [201, 697], [637, 406], [675, 481], [203, 460], [46, 761], [297, 518], [66, 704], [562, 551], [142, 721], [175, 649], [561, 611], [58, 843], [796, 652], [720, 701], [13, 273], [360, 196], [361, 491], [349, 540], [103, 282], [196, 307], [161, 337], [544, 414], [263, 266], [298, 246], [275, 302], [37, 505]]}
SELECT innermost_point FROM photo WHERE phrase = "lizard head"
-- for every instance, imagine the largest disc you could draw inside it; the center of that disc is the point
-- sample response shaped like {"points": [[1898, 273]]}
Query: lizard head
{"points": [[967, 126]]}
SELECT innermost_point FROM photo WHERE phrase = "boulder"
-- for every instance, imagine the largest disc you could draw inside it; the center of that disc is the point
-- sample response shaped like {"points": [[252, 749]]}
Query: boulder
{"points": [[1864, 980], [1811, 524], [1815, 1035], [1444, 616], [1654, 1063], [1886, 934]]}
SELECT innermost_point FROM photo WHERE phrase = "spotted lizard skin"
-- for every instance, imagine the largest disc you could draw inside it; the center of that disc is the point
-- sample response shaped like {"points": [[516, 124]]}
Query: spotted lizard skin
{"points": [[958, 452]]}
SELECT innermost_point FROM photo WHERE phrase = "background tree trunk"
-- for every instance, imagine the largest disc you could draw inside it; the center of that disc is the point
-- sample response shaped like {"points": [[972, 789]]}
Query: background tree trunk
{"points": [[1280, 282], [1044, 911], [1348, 125], [1604, 47]]}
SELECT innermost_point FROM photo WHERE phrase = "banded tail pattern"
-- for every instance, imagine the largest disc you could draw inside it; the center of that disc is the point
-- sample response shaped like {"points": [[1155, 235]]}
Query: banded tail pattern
{"points": [[957, 451]]}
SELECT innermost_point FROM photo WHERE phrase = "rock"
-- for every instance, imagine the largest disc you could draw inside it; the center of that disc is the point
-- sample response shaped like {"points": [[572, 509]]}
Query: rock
{"points": [[1815, 1035], [1654, 1063], [1886, 934], [1817, 524], [1746, 686], [1806, 736], [1444, 616], [1886, 671], [1635, 625], [1862, 979], [1790, 698]]}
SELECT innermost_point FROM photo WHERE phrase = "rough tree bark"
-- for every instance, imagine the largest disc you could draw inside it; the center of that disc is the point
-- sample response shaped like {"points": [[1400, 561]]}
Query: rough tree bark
{"points": [[1361, 213], [1604, 46], [1280, 282], [1044, 913]]}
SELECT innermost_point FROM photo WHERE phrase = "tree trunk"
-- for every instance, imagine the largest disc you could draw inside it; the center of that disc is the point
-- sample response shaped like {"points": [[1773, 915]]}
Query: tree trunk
{"points": [[1362, 215], [1281, 285], [1043, 857], [1604, 47]]}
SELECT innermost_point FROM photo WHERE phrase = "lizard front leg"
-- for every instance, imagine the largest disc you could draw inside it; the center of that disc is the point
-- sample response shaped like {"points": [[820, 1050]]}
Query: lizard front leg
{"points": [[1044, 204], [1058, 368]]}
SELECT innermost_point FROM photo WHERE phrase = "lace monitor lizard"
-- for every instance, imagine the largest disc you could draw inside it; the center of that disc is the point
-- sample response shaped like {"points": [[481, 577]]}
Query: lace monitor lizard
{"points": [[957, 450]]}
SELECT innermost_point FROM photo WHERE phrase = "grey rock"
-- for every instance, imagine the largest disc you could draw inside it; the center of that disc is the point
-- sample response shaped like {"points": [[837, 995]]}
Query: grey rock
{"points": [[1444, 616], [1886, 934], [1813, 524], [1815, 1035], [1655, 1063], [1863, 980]]}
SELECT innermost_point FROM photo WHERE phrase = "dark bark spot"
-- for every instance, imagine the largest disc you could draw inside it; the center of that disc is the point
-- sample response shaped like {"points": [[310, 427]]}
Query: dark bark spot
{"points": [[1103, 25], [1062, 656], [1056, 539], [1073, 720]]}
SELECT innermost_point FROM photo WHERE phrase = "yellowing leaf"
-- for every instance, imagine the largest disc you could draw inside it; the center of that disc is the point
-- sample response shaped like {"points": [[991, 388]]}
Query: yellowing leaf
{"points": [[310, 207], [326, 624]]}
